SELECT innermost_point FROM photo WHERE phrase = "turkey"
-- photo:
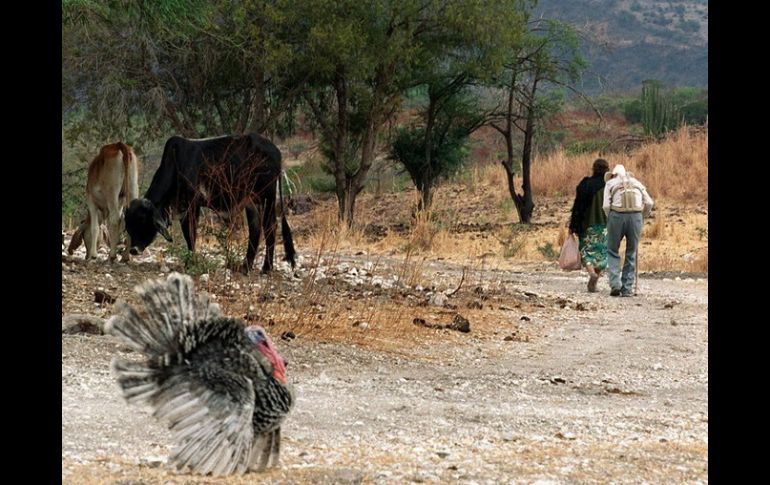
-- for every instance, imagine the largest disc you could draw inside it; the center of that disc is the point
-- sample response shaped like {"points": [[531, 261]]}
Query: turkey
{"points": [[220, 386]]}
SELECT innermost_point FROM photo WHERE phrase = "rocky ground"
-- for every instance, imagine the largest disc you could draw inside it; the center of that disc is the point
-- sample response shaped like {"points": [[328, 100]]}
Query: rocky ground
{"points": [[550, 385]]}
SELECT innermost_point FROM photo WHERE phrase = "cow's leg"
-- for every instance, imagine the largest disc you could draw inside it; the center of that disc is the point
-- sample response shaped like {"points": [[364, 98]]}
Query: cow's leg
{"points": [[268, 224], [92, 233], [127, 250], [190, 226], [114, 219], [254, 223]]}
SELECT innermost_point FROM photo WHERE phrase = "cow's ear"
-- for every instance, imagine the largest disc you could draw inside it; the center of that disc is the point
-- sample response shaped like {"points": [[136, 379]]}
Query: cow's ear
{"points": [[160, 225]]}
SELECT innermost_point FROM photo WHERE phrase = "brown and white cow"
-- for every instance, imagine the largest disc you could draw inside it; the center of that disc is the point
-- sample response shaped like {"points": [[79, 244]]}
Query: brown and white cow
{"points": [[113, 182]]}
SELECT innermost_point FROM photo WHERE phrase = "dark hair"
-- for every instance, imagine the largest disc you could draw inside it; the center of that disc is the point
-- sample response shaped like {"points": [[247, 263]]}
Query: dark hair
{"points": [[600, 166]]}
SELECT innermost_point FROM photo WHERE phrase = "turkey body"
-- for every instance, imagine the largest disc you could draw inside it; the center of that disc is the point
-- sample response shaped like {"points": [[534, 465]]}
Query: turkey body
{"points": [[218, 384]]}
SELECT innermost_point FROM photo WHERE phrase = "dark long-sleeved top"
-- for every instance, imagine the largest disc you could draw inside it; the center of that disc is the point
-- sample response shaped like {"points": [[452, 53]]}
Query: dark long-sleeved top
{"points": [[587, 209]]}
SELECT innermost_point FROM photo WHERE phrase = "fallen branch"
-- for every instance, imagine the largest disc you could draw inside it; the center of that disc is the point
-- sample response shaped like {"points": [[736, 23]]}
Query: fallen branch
{"points": [[462, 278]]}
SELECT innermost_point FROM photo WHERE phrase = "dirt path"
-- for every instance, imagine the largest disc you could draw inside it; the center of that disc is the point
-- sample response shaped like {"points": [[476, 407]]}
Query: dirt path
{"points": [[618, 393]]}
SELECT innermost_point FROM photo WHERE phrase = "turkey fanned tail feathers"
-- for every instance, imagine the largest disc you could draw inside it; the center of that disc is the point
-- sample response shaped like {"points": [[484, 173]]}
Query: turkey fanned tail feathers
{"points": [[199, 375]]}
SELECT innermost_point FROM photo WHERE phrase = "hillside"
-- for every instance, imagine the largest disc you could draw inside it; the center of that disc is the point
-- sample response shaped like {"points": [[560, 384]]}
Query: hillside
{"points": [[628, 41]]}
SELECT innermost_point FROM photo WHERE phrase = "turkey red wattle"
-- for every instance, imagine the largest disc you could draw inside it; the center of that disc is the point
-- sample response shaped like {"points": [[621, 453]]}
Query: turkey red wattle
{"points": [[279, 366]]}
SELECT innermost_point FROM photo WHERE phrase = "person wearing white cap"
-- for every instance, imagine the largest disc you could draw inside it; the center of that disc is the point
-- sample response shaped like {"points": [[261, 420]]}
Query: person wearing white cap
{"points": [[626, 202]]}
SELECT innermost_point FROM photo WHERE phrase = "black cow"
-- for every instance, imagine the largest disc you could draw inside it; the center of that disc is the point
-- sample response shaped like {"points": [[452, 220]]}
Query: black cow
{"points": [[226, 174]]}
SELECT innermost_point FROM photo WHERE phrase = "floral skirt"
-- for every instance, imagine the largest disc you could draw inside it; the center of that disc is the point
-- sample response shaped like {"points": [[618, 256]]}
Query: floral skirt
{"points": [[593, 246]]}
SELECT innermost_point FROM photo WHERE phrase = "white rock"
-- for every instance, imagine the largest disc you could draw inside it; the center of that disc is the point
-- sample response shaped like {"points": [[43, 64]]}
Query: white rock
{"points": [[438, 299]]}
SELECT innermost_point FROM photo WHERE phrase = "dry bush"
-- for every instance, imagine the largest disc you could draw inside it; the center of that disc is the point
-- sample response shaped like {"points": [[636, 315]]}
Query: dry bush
{"points": [[656, 230], [675, 168]]}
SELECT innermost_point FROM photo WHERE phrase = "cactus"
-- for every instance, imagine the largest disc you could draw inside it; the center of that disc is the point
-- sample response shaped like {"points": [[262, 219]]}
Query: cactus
{"points": [[658, 113]]}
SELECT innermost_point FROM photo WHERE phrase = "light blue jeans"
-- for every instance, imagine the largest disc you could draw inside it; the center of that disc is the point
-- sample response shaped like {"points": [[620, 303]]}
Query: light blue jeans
{"points": [[620, 225]]}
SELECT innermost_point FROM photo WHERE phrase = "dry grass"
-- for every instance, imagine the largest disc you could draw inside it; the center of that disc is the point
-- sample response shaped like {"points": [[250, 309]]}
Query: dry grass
{"points": [[675, 169], [473, 218], [366, 315], [675, 239]]}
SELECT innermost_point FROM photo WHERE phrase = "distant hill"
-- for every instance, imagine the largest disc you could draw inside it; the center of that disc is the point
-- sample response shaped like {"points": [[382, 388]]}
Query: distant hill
{"points": [[629, 41]]}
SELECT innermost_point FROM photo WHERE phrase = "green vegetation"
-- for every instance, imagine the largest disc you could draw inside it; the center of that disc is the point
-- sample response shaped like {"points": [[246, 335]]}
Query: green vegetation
{"points": [[353, 80]]}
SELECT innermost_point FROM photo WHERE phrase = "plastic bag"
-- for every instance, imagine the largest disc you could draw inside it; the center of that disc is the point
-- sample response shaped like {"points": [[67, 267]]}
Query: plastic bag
{"points": [[569, 259]]}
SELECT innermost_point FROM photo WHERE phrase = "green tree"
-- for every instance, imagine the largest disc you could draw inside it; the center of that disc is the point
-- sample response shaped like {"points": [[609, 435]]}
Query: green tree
{"points": [[470, 53], [354, 60], [193, 67], [632, 111], [451, 125], [691, 104], [548, 57]]}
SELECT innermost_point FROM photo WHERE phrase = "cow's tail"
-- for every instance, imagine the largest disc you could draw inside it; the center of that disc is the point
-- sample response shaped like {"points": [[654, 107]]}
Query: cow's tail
{"points": [[288, 240], [130, 172]]}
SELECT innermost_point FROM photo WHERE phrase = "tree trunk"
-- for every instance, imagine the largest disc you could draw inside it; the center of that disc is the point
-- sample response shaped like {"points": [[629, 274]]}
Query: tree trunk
{"points": [[518, 200], [342, 180], [426, 196], [346, 201], [350, 207], [427, 175], [524, 204], [342, 197], [257, 115], [357, 181]]}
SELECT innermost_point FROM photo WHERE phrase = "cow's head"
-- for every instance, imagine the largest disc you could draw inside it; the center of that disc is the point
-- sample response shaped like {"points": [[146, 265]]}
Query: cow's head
{"points": [[143, 222]]}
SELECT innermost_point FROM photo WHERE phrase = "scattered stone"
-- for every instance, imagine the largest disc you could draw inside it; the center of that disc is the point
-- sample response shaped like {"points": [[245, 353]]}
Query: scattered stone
{"points": [[438, 299], [288, 335], [525, 318], [82, 324], [475, 305], [101, 296], [361, 325], [562, 303], [460, 323], [347, 476], [152, 462]]}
